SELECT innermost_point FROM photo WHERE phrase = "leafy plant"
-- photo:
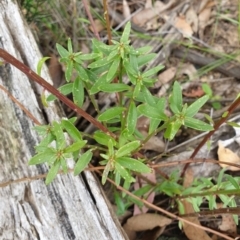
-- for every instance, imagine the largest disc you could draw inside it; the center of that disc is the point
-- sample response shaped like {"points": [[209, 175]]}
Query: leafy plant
{"points": [[108, 65], [119, 69]]}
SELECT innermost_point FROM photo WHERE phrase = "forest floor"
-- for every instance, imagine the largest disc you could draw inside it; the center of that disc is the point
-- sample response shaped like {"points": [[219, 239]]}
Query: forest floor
{"points": [[198, 43]]}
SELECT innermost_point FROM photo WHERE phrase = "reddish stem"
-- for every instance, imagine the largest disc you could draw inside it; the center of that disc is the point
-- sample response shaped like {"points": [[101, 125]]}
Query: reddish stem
{"points": [[32, 75]]}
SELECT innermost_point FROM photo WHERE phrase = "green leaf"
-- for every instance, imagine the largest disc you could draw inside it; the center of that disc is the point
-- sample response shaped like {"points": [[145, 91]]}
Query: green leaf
{"points": [[69, 69], [99, 63], [83, 57], [152, 112], [64, 164], [172, 129], [111, 113], [148, 97], [220, 176], [65, 90], [106, 172], [126, 33], [82, 162], [137, 89], [72, 130], [102, 138], [75, 147], [49, 155], [154, 123], [232, 181], [114, 87], [70, 49], [152, 71], [143, 50], [133, 164], [123, 173], [113, 69], [207, 89], [195, 106], [40, 64], [176, 98], [62, 51], [233, 124], [78, 92], [132, 118], [82, 74], [52, 172], [100, 82], [127, 148], [197, 124], [143, 60], [58, 132]]}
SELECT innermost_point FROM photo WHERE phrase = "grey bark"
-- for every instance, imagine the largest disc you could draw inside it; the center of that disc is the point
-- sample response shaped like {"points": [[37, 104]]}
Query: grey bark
{"points": [[66, 209]]}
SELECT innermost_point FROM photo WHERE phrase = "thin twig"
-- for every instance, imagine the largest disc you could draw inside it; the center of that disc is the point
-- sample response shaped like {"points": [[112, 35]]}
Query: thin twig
{"points": [[86, 6], [32, 75], [106, 16], [20, 105]]}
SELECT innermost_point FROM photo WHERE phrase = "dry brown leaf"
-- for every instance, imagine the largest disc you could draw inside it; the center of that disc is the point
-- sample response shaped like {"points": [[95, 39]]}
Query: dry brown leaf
{"points": [[192, 232], [204, 20], [193, 91], [189, 70], [143, 222], [183, 26], [142, 17], [150, 196], [192, 19], [55, 71], [227, 155], [165, 76], [98, 24], [227, 225], [126, 9]]}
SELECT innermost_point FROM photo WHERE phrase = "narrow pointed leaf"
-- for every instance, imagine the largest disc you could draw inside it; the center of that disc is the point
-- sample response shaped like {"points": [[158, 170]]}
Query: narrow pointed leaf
{"points": [[62, 51], [111, 113], [176, 98], [195, 106], [133, 164], [197, 124], [127, 148], [75, 147], [65, 90], [126, 32], [52, 172], [72, 130], [132, 118], [152, 112], [40, 64], [78, 92], [123, 173], [113, 69], [114, 87], [152, 71], [82, 162], [58, 132], [47, 156]]}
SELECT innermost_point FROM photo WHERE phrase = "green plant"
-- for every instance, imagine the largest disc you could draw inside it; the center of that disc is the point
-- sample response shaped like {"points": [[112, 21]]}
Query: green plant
{"points": [[208, 91], [107, 66]]}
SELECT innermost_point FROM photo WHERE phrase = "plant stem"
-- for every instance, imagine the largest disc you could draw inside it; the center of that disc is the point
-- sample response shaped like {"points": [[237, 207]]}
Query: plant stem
{"points": [[32, 75], [106, 16]]}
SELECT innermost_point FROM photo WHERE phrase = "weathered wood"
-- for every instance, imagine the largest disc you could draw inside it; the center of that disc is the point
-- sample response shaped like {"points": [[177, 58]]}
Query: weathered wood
{"points": [[31, 210]]}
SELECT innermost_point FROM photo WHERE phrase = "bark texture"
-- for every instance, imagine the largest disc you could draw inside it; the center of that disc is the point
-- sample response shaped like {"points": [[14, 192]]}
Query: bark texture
{"points": [[69, 208]]}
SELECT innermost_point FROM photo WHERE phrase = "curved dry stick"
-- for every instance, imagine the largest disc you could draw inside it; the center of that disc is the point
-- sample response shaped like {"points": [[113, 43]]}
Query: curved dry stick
{"points": [[32, 75]]}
